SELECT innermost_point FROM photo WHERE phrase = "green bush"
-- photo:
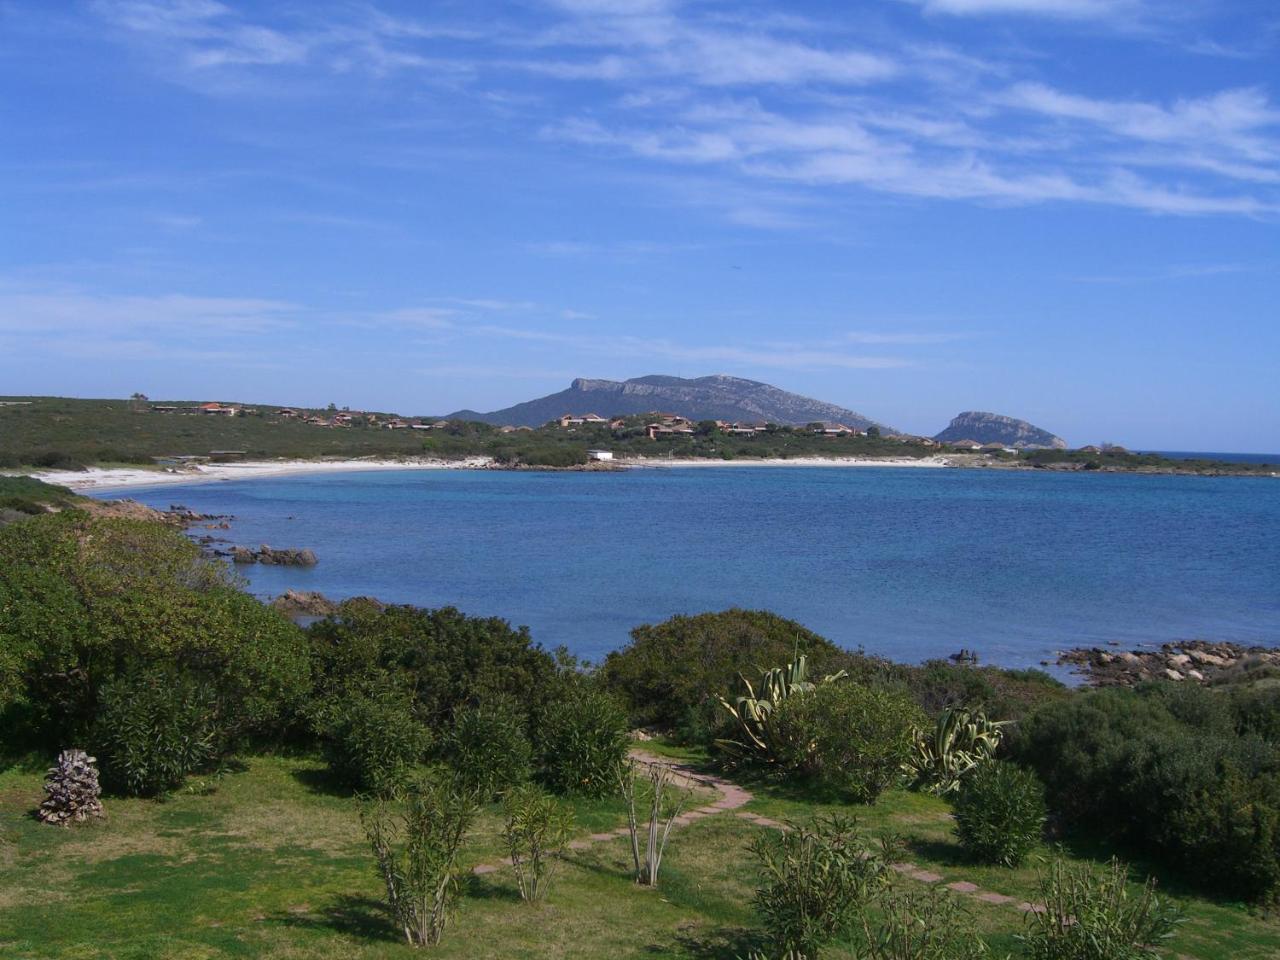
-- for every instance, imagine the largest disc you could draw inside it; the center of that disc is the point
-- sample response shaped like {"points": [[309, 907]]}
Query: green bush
{"points": [[919, 924], [157, 725], [1092, 916], [670, 673], [536, 829], [370, 736], [1000, 813], [1175, 773], [488, 747], [582, 741], [84, 599], [416, 841], [847, 737], [446, 658], [814, 881]]}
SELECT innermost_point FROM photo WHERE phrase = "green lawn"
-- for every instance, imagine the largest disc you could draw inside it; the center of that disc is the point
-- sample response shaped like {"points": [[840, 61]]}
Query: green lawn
{"points": [[271, 864]]}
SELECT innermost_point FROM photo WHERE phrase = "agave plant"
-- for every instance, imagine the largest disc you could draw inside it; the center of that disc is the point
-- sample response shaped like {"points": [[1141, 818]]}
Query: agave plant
{"points": [[960, 740], [753, 712]]}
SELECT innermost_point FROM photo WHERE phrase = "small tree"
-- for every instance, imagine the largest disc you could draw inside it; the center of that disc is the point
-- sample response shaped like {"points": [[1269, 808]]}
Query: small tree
{"points": [[666, 800], [537, 828], [416, 838]]}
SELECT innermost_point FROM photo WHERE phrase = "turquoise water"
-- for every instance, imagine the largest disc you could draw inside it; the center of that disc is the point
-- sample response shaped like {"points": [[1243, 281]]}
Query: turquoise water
{"points": [[910, 563]]}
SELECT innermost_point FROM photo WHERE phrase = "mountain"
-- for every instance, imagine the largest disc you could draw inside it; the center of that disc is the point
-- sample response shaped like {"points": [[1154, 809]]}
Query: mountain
{"points": [[717, 397], [993, 428]]}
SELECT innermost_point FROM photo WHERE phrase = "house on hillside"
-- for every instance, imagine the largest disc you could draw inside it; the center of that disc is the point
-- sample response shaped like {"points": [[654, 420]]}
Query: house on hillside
{"points": [[747, 428], [828, 428], [574, 420], [668, 430], [600, 455], [217, 409]]}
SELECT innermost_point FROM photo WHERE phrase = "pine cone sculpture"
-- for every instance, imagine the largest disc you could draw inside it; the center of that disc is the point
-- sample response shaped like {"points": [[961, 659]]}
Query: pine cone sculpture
{"points": [[71, 790]]}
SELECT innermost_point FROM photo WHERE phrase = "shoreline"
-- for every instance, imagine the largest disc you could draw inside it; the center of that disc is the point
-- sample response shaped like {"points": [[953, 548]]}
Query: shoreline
{"points": [[122, 478]]}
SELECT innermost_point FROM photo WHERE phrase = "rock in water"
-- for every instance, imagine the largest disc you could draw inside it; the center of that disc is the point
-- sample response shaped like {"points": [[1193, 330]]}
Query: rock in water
{"points": [[71, 790]]}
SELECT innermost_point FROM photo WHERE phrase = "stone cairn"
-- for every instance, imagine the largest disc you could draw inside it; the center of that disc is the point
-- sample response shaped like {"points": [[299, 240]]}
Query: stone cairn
{"points": [[71, 790]]}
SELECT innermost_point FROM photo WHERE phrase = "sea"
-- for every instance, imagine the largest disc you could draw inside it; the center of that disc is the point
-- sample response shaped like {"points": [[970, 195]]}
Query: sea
{"points": [[908, 563]]}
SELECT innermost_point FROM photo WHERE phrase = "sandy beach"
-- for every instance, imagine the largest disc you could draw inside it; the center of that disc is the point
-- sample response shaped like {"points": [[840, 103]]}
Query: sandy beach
{"points": [[117, 478], [113, 478]]}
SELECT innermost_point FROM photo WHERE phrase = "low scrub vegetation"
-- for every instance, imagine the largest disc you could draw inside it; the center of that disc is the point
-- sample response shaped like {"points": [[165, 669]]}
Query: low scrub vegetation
{"points": [[1186, 775]]}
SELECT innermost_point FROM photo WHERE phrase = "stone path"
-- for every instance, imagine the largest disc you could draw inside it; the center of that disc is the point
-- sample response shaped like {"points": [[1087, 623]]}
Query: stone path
{"points": [[732, 796]]}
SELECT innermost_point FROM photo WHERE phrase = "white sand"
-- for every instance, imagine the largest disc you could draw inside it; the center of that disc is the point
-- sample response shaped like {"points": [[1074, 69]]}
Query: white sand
{"points": [[113, 478], [109, 478], [660, 462]]}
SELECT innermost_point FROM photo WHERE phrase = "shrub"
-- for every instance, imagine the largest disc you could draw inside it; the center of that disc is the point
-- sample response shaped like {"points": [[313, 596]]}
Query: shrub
{"points": [[814, 880], [446, 658], [370, 736], [156, 726], [537, 828], [959, 741], [755, 713], [1000, 813], [1096, 917], [416, 840], [85, 599], [1167, 772], [847, 737], [666, 800], [670, 674], [488, 746], [919, 924], [582, 740]]}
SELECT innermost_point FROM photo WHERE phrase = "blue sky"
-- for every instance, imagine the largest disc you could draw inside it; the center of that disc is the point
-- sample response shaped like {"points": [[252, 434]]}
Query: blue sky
{"points": [[1063, 210]]}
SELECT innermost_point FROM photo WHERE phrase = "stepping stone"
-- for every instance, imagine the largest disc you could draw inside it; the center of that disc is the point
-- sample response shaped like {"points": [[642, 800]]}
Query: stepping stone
{"points": [[767, 822], [904, 867], [996, 898], [483, 869], [926, 876], [579, 844], [1032, 908], [597, 837], [622, 832], [747, 815], [963, 886]]}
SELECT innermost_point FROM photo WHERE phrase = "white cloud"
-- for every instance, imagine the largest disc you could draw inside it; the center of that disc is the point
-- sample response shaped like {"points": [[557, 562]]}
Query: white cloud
{"points": [[1061, 9]]}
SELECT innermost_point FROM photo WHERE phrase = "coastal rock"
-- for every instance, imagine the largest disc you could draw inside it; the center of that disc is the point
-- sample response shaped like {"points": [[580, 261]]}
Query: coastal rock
{"points": [[279, 556], [304, 603], [1198, 661]]}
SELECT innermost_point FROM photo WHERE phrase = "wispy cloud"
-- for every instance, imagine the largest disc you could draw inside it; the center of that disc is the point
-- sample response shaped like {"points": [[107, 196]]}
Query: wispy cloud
{"points": [[778, 101], [1058, 9]]}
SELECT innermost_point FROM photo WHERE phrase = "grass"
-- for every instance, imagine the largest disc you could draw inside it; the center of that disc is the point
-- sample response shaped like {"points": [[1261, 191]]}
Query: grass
{"points": [[268, 863]]}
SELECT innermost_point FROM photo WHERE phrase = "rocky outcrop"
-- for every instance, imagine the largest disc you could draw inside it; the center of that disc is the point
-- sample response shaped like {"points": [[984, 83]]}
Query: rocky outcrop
{"points": [[974, 425], [718, 397], [1196, 661], [280, 556], [304, 603]]}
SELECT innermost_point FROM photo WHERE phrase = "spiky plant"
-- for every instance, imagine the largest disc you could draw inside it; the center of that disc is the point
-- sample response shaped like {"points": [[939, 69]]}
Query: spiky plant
{"points": [[753, 712], [71, 790], [960, 740]]}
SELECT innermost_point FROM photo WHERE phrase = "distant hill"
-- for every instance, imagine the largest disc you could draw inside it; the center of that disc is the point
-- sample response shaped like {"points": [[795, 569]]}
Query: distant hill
{"points": [[716, 397], [994, 428]]}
